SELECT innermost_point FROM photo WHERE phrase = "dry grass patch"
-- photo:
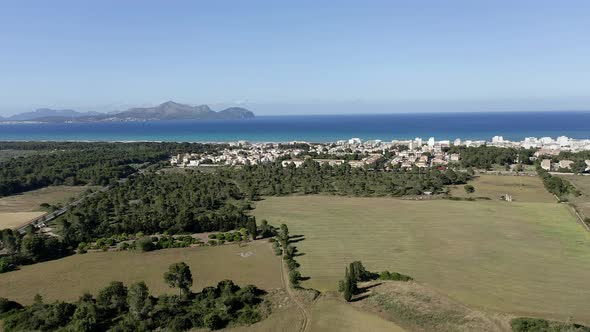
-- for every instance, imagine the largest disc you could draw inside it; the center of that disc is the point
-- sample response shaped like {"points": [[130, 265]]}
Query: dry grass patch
{"points": [[529, 259], [521, 188], [16, 219], [30, 200], [68, 278], [420, 309], [332, 314]]}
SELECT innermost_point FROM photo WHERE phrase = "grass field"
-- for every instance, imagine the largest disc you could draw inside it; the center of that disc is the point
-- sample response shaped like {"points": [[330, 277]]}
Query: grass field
{"points": [[67, 278], [15, 219], [521, 258], [18, 209], [329, 314], [521, 188], [582, 183]]}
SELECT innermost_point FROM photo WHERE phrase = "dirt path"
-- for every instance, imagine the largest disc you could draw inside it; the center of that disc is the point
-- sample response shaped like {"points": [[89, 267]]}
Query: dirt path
{"points": [[304, 313]]}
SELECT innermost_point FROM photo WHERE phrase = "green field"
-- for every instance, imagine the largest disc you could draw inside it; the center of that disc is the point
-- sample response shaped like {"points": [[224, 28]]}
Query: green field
{"points": [[521, 188], [68, 278], [582, 202], [521, 258]]}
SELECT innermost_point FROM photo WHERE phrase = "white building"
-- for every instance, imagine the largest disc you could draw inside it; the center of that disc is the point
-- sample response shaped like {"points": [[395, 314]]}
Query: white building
{"points": [[457, 142], [563, 141], [354, 140], [431, 142], [497, 139]]}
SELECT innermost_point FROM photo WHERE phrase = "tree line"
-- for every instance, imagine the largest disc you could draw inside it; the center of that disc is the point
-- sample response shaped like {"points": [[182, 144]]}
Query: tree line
{"points": [[313, 178], [124, 309], [77, 163]]}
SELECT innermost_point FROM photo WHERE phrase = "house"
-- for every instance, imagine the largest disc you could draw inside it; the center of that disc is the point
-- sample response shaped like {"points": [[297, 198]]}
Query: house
{"points": [[546, 164], [587, 165], [455, 157], [296, 162], [565, 164]]}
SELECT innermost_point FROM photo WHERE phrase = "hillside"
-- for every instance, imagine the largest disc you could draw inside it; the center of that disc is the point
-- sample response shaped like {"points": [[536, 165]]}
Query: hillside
{"points": [[166, 111]]}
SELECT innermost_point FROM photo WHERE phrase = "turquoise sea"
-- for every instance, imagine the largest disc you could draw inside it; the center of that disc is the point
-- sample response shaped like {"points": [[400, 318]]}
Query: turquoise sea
{"points": [[317, 128]]}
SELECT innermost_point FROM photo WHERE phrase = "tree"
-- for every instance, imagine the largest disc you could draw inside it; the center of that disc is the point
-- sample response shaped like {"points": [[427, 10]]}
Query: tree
{"points": [[179, 276], [113, 297], [85, 317], [138, 299], [284, 232], [252, 228], [469, 189], [348, 285]]}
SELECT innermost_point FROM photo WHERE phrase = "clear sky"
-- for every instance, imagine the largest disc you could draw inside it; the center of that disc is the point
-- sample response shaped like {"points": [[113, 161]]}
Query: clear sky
{"points": [[285, 57]]}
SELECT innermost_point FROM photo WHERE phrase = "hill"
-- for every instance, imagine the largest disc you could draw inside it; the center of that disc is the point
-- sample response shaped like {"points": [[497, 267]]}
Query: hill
{"points": [[167, 111], [43, 113]]}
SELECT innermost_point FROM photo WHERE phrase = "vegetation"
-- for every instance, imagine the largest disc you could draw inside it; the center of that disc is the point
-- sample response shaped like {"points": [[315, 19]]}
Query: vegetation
{"points": [[118, 308], [355, 272], [484, 157], [556, 185], [312, 178], [541, 325]]}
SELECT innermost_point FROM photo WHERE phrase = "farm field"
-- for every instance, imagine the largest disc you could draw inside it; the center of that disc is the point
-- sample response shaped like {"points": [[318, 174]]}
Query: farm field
{"points": [[582, 183], [521, 188], [68, 278], [521, 258]]}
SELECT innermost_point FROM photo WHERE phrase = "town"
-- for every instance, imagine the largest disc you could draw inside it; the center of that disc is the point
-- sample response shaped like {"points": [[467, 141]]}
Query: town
{"points": [[397, 153]]}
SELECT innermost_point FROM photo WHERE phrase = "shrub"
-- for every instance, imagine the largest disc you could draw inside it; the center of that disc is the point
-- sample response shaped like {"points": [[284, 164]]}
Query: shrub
{"points": [[212, 242], [386, 275], [7, 305], [294, 277], [144, 244], [213, 321]]}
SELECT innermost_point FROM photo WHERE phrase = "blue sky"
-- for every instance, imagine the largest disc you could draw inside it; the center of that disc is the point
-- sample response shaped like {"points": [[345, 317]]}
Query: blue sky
{"points": [[286, 57]]}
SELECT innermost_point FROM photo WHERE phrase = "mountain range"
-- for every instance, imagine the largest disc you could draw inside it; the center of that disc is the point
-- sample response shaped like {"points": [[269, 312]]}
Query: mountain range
{"points": [[166, 111]]}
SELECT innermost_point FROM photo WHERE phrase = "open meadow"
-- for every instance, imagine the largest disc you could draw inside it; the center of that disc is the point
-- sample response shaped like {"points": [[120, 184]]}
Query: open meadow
{"points": [[520, 258], [521, 188], [31, 200], [68, 278], [18, 209]]}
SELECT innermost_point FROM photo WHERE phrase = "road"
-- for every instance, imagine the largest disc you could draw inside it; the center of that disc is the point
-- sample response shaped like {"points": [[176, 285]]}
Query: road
{"points": [[42, 220]]}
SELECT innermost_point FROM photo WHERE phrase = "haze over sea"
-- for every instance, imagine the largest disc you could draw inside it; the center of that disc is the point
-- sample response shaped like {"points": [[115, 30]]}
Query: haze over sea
{"points": [[318, 128]]}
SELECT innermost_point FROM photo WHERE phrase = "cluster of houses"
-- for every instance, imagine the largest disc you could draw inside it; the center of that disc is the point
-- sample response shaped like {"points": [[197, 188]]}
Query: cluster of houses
{"points": [[403, 153], [562, 165]]}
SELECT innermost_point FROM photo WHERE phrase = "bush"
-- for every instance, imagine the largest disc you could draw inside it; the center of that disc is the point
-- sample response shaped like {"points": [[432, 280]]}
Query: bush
{"points": [[6, 265], [212, 242], [294, 278], [386, 275], [469, 188], [525, 324], [144, 244], [213, 321], [6, 305]]}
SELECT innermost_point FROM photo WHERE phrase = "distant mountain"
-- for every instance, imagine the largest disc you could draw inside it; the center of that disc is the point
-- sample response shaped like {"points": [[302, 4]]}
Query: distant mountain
{"points": [[167, 111], [44, 113], [175, 111]]}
